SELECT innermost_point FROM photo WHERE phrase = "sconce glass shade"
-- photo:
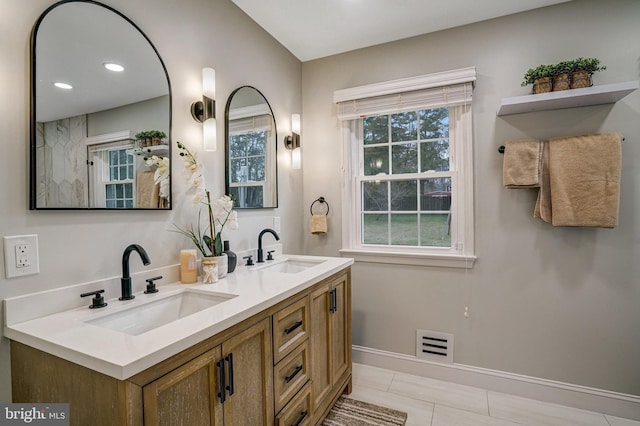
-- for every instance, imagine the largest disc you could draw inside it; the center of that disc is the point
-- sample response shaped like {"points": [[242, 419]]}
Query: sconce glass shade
{"points": [[296, 159], [292, 142], [209, 83], [295, 123], [209, 138]]}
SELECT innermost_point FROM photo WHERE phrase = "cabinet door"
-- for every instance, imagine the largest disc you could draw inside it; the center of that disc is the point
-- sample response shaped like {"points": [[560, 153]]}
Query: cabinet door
{"points": [[340, 327], [186, 396], [249, 383], [319, 342]]}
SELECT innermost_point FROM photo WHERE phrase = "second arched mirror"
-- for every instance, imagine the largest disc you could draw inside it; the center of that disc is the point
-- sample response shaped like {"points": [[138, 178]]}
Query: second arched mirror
{"points": [[251, 166]]}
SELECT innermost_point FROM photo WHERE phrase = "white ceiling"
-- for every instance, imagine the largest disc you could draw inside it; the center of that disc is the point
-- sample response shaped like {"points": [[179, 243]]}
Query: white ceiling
{"points": [[313, 29]]}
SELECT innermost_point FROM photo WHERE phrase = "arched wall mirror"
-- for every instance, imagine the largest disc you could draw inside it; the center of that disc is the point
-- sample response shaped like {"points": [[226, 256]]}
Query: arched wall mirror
{"points": [[251, 153], [100, 112]]}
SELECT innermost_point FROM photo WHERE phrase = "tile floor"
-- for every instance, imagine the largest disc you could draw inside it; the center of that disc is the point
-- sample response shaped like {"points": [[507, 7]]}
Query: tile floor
{"points": [[431, 402]]}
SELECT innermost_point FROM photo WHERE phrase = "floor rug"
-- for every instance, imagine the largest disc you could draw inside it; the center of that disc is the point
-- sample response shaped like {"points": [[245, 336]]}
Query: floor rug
{"points": [[350, 412]]}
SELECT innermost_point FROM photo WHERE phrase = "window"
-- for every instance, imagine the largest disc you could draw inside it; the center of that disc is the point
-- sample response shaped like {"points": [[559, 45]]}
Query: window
{"points": [[112, 173], [246, 167], [119, 186], [408, 171], [250, 140]]}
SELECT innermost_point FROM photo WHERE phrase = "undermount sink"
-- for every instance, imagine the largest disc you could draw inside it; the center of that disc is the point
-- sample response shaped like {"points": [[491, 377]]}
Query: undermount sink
{"points": [[289, 266], [142, 318]]}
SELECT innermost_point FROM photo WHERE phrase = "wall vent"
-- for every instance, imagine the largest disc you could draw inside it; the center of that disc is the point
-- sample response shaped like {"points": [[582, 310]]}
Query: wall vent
{"points": [[434, 346]]}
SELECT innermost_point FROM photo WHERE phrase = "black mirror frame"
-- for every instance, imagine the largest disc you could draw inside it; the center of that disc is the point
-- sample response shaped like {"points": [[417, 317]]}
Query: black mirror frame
{"points": [[32, 112], [226, 146]]}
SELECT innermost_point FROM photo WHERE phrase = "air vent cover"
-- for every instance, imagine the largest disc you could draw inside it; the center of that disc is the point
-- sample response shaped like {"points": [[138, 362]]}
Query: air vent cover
{"points": [[434, 346]]}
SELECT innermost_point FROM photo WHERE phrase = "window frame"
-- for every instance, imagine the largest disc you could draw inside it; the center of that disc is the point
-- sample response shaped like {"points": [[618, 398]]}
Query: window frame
{"points": [[99, 159], [461, 253]]}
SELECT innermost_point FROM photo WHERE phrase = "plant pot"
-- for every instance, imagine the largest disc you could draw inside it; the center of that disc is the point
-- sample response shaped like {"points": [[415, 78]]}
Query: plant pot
{"points": [[156, 141], [542, 85], [223, 265], [209, 270], [580, 79], [561, 82]]}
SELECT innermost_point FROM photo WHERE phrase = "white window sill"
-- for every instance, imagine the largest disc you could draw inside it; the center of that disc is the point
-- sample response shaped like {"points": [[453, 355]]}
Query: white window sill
{"points": [[404, 258]]}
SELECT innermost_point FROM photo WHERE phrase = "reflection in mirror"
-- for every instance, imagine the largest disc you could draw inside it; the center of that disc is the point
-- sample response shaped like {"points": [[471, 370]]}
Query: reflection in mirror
{"points": [[99, 92], [251, 169]]}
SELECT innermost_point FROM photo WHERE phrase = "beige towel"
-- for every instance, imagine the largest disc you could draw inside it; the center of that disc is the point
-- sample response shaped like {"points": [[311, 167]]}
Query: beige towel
{"points": [[584, 177], [147, 191], [319, 224], [543, 203], [521, 164]]}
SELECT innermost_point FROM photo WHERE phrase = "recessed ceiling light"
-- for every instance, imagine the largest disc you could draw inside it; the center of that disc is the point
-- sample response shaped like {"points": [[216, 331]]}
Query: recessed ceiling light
{"points": [[113, 67], [65, 86]]}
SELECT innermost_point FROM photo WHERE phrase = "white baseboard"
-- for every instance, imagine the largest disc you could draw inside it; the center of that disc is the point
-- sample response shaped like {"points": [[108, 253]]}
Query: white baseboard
{"points": [[586, 398]]}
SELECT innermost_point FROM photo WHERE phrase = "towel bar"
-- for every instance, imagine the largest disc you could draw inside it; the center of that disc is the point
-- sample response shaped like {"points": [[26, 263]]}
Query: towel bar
{"points": [[501, 148]]}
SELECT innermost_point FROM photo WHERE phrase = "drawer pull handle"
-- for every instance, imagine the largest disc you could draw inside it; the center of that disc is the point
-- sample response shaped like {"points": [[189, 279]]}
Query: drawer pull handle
{"points": [[221, 381], [229, 359], [293, 327], [333, 300], [301, 418], [294, 374]]}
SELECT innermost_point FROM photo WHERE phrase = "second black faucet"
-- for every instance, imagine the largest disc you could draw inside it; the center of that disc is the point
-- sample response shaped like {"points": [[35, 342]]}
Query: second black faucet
{"points": [[125, 282], [260, 252]]}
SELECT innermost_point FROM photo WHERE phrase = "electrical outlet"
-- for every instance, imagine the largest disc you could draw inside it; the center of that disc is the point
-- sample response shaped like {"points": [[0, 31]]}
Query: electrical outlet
{"points": [[21, 255]]}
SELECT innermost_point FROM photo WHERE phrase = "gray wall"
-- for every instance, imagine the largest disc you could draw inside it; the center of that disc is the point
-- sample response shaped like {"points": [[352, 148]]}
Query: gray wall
{"points": [[554, 303], [77, 247]]}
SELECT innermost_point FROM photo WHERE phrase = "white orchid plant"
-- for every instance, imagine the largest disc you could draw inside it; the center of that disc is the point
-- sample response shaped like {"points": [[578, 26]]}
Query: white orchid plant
{"points": [[161, 175], [220, 211]]}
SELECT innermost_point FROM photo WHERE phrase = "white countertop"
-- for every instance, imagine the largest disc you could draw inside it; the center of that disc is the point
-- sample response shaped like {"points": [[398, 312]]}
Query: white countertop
{"points": [[67, 335]]}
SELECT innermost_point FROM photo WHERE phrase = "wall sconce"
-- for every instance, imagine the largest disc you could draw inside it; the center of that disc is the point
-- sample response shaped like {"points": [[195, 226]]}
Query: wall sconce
{"points": [[204, 111], [292, 142]]}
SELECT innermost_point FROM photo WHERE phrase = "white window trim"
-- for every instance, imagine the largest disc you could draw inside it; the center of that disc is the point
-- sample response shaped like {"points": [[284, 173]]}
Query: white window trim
{"points": [[457, 257]]}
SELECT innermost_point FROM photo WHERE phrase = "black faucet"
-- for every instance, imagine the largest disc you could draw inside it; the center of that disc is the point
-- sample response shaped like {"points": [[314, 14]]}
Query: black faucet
{"points": [[125, 282], [260, 253]]}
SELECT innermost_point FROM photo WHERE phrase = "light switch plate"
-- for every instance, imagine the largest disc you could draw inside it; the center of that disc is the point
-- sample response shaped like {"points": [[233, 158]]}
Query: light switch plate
{"points": [[21, 255]]}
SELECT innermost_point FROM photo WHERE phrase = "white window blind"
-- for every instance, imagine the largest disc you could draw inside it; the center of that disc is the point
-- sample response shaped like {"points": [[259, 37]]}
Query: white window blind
{"points": [[435, 97], [259, 123], [447, 88]]}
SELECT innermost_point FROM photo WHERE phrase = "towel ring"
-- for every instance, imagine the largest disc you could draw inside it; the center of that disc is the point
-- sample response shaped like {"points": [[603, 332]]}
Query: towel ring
{"points": [[320, 200]]}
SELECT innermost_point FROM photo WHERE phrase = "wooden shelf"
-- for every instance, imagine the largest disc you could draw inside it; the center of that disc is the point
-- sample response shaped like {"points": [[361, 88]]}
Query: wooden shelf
{"points": [[594, 95]]}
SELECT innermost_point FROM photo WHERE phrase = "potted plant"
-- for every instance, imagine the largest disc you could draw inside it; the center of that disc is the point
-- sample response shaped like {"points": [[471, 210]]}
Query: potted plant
{"points": [[583, 69], [540, 77], [157, 136], [220, 213], [144, 138], [562, 75]]}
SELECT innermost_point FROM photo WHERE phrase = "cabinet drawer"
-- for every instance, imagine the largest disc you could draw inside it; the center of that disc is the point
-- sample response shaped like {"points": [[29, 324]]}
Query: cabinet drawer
{"points": [[290, 375], [290, 327], [298, 411]]}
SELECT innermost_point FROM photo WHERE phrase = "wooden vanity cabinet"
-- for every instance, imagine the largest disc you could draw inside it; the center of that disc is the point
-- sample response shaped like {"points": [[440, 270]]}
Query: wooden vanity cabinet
{"points": [[228, 385], [330, 342], [311, 364], [187, 395]]}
